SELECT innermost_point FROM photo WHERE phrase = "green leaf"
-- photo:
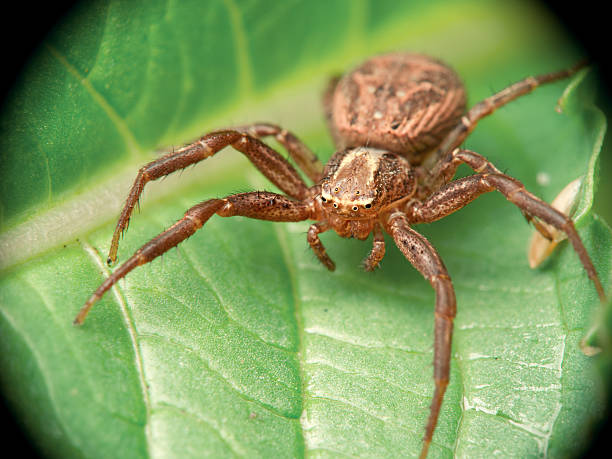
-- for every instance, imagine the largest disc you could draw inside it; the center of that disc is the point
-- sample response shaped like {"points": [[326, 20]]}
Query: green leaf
{"points": [[239, 343]]}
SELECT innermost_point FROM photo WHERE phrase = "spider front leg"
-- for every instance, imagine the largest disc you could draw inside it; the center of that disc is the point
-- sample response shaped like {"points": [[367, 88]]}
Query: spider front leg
{"points": [[261, 205], [455, 195], [268, 161], [421, 254]]}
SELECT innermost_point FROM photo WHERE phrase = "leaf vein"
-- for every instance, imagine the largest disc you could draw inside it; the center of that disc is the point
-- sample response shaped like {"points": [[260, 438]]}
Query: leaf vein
{"points": [[513, 362], [44, 373], [131, 329], [198, 312], [363, 346], [461, 371], [243, 62], [376, 286], [206, 423], [223, 304], [281, 235], [119, 123], [217, 374], [369, 376], [363, 410], [335, 452]]}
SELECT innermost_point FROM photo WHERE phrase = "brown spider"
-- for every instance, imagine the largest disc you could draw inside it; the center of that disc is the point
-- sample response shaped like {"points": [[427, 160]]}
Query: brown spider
{"points": [[397, 121]]}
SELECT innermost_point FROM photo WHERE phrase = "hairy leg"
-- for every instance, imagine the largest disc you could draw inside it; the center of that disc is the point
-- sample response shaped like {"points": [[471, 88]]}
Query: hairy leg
{"points": [[421, 254], [443, 170], [378, 250], [259, 204], [269, 162], [306, 160], [317, 246], [487, 106], [455, 195]]}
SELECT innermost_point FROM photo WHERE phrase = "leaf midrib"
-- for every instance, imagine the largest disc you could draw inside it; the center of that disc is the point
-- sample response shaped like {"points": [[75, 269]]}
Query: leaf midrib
{"points": [[292, 85]]}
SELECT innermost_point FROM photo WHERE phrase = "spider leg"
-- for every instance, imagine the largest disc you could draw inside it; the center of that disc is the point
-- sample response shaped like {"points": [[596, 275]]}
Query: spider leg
{"points": [[421, 254], [487, 106], [446, 169], [261, 205], [455, 195], [269, 162], [301, 154], [378, 250], [317, 246]]}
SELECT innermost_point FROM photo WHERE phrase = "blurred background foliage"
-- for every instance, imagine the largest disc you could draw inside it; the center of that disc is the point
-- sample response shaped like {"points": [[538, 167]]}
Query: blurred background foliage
{"points": [[158, 112]]}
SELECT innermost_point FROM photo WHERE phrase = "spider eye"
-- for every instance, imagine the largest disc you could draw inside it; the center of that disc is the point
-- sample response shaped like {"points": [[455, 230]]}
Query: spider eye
{"points": [[323, 199], [367, 206], [336, 189], [354, 207], [336, 205], [357, 192]]}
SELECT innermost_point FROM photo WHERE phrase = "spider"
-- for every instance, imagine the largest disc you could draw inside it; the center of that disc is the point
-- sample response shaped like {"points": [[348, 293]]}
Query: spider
{"points": [[398, 121]]}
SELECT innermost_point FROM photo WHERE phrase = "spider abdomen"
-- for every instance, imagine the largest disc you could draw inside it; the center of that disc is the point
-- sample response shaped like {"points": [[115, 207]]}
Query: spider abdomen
{"points": [[404, 103]]}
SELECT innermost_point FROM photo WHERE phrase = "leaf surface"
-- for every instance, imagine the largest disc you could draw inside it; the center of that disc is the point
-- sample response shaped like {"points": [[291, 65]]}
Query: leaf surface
{"points": [[239, 343]]}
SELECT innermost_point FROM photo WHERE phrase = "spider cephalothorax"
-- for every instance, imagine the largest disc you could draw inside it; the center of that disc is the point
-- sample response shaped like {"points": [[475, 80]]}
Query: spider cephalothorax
{"points": [[360, 182], [398, 121]]}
